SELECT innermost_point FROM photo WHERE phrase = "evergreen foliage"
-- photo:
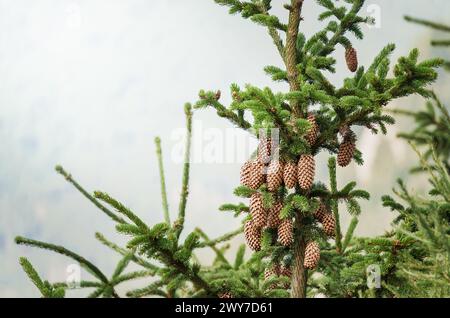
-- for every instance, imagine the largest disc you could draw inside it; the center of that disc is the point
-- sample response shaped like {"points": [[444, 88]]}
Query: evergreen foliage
{"points": [[168, 261]]}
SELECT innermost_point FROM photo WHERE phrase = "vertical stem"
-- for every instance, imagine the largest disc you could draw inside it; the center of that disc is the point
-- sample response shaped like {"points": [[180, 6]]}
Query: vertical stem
{"points": [[185, 182], [334, 203], [299, 277], [291, 50], [163, 180], [299, 273]]}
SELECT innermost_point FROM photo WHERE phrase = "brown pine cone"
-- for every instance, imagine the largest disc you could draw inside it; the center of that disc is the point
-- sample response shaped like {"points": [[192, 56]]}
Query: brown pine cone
{"points": [[346, 149], [252, 236], [290, 174], [225, 295], [245, 173], [285, 232], [351, 58], [257, 211], [285, 271], [312, 255], [273, 215], [320, 212], [305, 171], [274, 175], [271, 271], [313, 132], [257, 176], [329, 224], [264, 150]]}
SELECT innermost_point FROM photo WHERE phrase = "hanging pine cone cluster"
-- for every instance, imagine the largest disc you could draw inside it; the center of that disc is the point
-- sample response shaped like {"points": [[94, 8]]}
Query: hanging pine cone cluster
{"points": [[312, 255], [313, 132], [225, 295], [276, 271], [306, 168], [351, 58], [346, 148]]}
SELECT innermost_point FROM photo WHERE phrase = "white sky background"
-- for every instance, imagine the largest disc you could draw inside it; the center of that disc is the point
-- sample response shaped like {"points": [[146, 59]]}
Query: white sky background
{"points": [[89, 84]]}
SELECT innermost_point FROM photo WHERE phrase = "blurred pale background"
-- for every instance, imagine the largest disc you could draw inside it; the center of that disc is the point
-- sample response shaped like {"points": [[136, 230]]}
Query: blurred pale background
{"points": [[88, 84]]}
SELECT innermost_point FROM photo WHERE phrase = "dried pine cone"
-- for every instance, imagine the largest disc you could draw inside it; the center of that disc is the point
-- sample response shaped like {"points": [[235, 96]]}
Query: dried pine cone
{"points": [[320, 212], [257, 176], [271, 271], [290, 174], [273, 215], [264, 150], [259, 215], [252, 236], [225, 295], [305, 171], [329, 224], [312, 255], [346, 149], [245, 173], [285, 271], [285, 232], [313, 132], [351, 58], [274, 175]]}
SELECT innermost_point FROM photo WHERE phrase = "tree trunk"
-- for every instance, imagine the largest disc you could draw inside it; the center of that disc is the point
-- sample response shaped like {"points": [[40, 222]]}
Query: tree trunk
{"points": [[299, 278]]}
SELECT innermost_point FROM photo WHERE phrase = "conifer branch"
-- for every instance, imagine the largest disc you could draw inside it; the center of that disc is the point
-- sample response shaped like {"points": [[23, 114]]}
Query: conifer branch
{"points": [[105, 210], [179, 224], [334, 203], [162, 180], [63, 251]]}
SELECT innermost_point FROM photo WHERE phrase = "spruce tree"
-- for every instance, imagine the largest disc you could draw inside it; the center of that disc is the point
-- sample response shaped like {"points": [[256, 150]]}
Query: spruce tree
{"points": [[293, 219]]}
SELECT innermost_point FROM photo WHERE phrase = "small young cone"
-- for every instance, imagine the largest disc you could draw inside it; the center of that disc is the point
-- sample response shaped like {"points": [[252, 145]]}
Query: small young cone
{"points": [[351, 58], [346, 149], [264, 150], [312, 255], [257, 211], [320, 212], [313, 132], [246, 173], [256, 176], [286, 271], [274, 175], [290, 174], [273, 215], [271, 272], [305, 171], [252, 236], [285, 232], [225, 295], [329, 224]]}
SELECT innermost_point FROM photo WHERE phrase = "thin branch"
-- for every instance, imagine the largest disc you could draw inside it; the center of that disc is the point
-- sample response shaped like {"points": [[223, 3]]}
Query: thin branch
{"points": [[185, 181], [162, 180], [104, 209]]}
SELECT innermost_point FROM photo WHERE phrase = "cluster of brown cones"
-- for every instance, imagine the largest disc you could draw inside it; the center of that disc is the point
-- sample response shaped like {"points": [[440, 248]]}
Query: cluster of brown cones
{"points": [[312, 250], [278, 270]]}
